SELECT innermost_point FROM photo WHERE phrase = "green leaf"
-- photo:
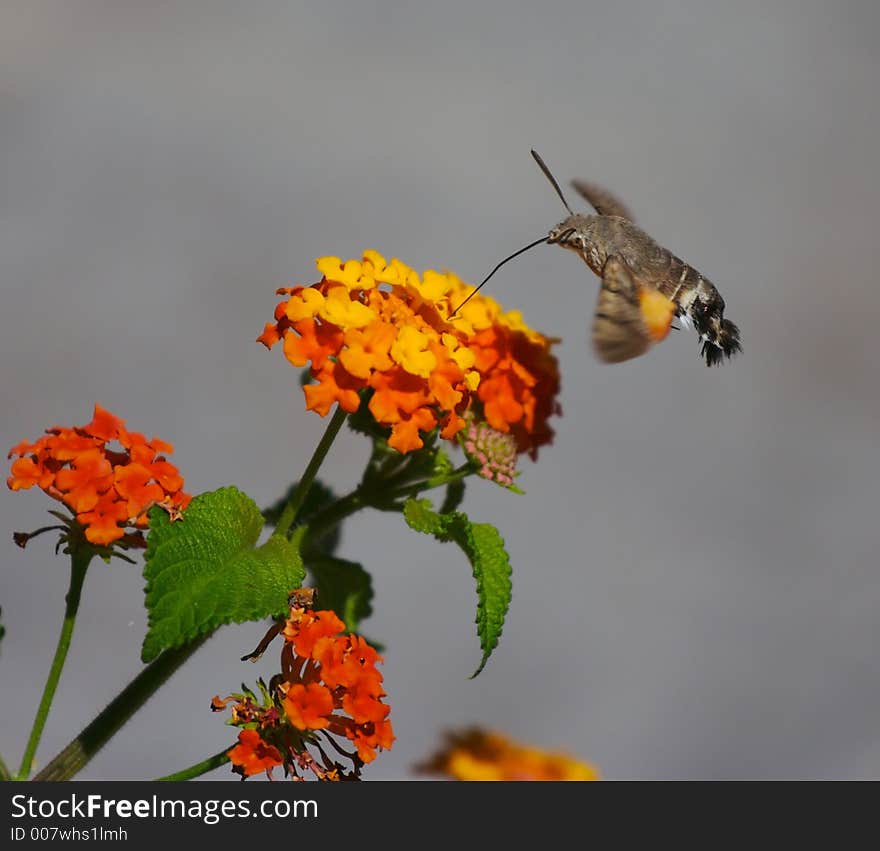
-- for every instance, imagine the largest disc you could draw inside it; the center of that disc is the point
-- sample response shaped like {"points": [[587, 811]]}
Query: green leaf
{"points": [[484, 547], [420, 515], [204, 571], [343, 586]]}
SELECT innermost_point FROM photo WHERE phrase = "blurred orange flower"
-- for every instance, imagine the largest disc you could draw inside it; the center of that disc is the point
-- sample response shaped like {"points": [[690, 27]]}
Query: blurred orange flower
{"points": [[376, 325], [107, 489], [475, 754]]}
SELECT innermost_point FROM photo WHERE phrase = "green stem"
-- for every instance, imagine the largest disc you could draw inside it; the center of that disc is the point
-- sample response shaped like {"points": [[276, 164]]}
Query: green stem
{"points": [[447, 478], [405, 489], [78, 753], [292, 508], [198, 769], [4, 771], [79, 562]]}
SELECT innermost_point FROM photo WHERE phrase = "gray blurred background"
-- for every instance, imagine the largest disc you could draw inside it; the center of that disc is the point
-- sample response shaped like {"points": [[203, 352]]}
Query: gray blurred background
{"points": [[696, 580]]}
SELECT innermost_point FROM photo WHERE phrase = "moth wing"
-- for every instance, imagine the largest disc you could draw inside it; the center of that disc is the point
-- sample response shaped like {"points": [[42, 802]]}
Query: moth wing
{"points": [[619, 330], [601, 200]]}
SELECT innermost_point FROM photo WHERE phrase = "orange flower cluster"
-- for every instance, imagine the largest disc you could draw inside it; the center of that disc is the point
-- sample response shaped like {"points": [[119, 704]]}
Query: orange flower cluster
{"points": [[376, 325], [329, 686], [107, 489], [475, 754]]}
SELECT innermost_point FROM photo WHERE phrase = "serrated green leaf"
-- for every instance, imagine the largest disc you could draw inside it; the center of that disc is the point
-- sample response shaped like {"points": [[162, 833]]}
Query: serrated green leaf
{"points": [[420, 515], [343, 586], [484, 547], [204, 571], [492, 573]]}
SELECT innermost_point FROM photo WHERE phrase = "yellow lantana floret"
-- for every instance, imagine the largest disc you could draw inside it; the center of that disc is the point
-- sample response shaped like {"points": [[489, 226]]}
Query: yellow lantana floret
{"points": [[350, 273], [462, 355], [434, 285], [305, 305], [410, 350], [342, 311]]}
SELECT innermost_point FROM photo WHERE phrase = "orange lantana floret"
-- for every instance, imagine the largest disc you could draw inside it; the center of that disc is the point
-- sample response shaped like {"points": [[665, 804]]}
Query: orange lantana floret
{"points": [[379, 736], [252, 755], [106, 488], [425, 363], [26, 473], [308, 707], [304, 628]]}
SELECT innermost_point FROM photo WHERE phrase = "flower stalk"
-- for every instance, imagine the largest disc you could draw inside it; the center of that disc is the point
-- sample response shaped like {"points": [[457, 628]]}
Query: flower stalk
{"points": [[288, 515], [79, 563], [198, 769]]}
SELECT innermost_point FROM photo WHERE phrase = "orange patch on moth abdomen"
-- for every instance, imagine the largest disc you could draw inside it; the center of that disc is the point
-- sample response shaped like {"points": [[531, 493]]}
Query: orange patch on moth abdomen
{"points": [[657, 313]]}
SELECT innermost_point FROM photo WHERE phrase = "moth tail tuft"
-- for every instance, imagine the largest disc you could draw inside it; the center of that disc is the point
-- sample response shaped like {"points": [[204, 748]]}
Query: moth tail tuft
{"points": [[725, 345]]}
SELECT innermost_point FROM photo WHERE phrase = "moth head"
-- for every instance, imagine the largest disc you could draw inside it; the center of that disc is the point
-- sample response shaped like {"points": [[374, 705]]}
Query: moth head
{"points": [[574, 232]]}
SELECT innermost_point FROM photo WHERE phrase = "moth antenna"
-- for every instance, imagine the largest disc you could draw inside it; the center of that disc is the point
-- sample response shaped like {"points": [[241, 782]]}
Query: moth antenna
{"points": [[505, 260], [552, 180]]}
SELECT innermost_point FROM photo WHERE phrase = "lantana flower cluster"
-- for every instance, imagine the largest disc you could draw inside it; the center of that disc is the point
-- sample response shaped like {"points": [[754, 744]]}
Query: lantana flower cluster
{"points": [[329, 686], [107, 489], [476, 754], [372, 325]]}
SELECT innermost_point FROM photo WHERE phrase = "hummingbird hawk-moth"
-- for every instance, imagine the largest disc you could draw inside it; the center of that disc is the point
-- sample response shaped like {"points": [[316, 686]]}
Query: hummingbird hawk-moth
{"points": [[644, 285]]}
